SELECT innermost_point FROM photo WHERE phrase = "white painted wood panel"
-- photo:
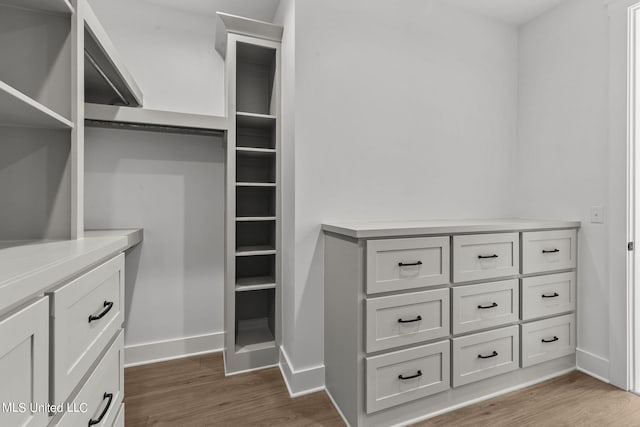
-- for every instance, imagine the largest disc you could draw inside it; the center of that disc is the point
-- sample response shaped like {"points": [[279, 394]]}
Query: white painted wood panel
{"points": [[548, 339], [485, 256], [548, 295], [487, 354], [484, 306], [548, 250], [86, 314], [399, 264], [24, 365], [103, 392], [406, 319], [406, 375], [119, 422]]}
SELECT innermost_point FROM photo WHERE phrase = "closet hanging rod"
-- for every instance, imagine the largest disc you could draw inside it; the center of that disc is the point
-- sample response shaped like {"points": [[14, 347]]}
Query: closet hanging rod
{"points": [[106, 78], [152, 128]]}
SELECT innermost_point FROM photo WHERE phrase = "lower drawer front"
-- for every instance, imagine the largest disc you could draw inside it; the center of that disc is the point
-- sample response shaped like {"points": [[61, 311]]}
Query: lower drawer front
{"points": [[485, 306], [406, 375], [406, 319], [485, 355], [102, 393], [548, 295], [548, 339], [86, 314]]}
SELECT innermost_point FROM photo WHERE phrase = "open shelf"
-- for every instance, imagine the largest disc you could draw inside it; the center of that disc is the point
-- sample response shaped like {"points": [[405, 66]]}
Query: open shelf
{"points": [[255, 71], [255, 250], [255, 320], [254, 334], [255, 201], [255, 283], [257, 152], [255, 218], [255, 169], [17, 109], [107, 80], [57, 6], [255, 121]]}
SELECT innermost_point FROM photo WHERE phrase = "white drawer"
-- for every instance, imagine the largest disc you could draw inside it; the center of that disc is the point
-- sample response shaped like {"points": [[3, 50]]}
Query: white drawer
{"points": [[102, 393], [24, 365], [406, 319], [406, 375], [548, 250], [548, 295], [485, 355], [484, 306], [119, 422], [485, 256], [398, 264], [548, 339], [86, 314]]}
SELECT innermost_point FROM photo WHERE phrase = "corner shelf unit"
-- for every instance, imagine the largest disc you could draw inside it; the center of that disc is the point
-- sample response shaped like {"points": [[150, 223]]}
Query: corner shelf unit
{"points": [[253, 244]]}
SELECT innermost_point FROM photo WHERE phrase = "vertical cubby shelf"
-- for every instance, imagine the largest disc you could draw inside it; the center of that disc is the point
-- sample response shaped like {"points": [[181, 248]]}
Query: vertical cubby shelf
{"points": [[251, 51]]}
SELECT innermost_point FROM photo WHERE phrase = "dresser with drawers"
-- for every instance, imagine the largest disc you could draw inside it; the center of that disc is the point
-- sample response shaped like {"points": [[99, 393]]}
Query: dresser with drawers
{"points": [[422, 317], [61, 331]]}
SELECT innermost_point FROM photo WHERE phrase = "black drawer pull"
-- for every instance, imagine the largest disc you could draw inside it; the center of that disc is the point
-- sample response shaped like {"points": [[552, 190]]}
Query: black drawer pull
{"points": [[417, 319], [494, 354], [104, 411], [553, 251], [108, 305], [487, 256], [486, 307], [551, 340], [555, 294], [417, 374], [409, 264]]}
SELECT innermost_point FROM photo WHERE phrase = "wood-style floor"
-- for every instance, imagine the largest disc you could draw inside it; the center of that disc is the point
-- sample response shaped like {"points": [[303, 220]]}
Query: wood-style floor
{"points": [[195, 392]]}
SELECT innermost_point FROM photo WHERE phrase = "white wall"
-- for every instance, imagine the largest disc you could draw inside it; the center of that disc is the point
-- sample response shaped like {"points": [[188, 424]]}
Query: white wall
{"points": [[402, 111], [563, 148], [173, 187]]}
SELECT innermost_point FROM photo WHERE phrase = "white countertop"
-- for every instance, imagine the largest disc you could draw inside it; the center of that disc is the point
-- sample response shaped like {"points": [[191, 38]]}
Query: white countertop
{"points": [[374, 229], [29, 268]]}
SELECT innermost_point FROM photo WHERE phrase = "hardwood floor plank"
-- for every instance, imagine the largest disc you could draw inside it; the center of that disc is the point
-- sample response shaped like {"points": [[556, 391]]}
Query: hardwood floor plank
{"points": [[193, 392]]}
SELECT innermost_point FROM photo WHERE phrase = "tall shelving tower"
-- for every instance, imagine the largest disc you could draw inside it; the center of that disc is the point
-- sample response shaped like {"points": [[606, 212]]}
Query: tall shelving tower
{"points": [[253, 215]]}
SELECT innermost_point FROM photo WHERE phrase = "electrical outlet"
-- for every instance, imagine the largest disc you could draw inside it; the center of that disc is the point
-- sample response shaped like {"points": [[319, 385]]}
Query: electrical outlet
{"points": [[597, 214]]}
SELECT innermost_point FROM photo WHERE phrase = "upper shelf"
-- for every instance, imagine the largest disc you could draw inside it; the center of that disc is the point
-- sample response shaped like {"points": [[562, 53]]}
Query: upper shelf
{"points": [[107, 80], [238, 25], [141, 118], [17, 109], [57, 6]]}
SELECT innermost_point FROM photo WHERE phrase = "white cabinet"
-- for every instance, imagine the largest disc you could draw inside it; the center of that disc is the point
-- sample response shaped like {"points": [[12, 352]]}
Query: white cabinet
{"points": [[423, 317], [398, 264], [24, 365], [485, 256]]}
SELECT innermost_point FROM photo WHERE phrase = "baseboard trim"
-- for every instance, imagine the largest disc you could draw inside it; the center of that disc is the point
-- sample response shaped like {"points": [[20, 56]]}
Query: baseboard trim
{"points": [[483, 398], [592, 365], [300, 382], [161, 351]]}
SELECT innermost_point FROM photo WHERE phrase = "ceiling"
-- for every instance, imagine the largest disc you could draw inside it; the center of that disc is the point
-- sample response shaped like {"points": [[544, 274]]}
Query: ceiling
{"points": [[263, 10], [516, 12]]}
